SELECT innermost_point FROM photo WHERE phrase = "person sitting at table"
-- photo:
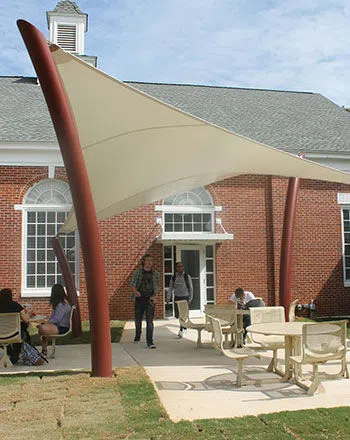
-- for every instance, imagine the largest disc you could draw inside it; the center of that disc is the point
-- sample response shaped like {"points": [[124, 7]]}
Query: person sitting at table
{"points": [[246, 300], [7, 305], [58, 322]]}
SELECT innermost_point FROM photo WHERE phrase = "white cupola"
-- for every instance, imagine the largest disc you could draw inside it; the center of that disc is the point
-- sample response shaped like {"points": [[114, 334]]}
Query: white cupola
{"points": [[67, 26]]}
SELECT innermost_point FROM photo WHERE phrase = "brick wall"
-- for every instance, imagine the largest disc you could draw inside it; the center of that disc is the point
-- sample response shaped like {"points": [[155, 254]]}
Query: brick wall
{"points": [[253, 209]]}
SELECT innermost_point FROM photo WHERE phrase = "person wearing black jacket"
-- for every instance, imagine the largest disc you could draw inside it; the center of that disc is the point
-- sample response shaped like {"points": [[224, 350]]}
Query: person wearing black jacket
{"points": [[7, 305]]}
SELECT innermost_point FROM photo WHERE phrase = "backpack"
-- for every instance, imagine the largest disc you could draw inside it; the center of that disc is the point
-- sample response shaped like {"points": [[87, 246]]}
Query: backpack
{"points": [[31, 356], [185, 278]]}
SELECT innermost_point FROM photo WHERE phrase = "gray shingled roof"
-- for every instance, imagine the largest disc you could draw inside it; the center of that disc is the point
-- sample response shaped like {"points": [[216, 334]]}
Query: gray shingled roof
{"points": [[67, 7], [291, 121], [24, 116]]}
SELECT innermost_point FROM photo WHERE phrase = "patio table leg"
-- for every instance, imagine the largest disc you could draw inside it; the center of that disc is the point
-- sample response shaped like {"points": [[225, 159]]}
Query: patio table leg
{"points": [[288, 350], [239, 333], [296, 352]]}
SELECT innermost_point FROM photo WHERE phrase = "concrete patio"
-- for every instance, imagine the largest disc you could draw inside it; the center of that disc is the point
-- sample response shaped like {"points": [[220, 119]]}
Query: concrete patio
{"points": [[200, 383], [76, 358]]}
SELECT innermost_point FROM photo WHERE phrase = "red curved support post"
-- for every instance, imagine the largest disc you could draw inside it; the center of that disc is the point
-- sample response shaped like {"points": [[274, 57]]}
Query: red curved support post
{"points": [[70, 285], [286, 261], [68, 139]]}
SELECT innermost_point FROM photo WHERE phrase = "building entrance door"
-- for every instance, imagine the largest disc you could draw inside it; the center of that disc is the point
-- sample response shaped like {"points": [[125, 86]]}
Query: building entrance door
{"points": [[193, 260]]}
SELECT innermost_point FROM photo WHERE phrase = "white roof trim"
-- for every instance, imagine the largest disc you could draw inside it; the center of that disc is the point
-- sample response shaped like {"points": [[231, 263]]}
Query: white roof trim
{"points": [[206, 237], [187, 208]]}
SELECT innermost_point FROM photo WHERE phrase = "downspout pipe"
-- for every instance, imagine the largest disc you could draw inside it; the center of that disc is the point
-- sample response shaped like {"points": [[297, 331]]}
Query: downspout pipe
{"points": [[84, 207]]}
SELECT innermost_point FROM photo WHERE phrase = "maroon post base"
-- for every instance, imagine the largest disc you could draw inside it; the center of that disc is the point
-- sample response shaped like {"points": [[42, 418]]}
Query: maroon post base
{"points": [[68, 139], [285, 295]]}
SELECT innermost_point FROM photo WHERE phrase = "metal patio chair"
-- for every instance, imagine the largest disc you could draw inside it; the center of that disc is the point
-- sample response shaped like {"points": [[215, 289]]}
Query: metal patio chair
{"points": [[186, 322], [10, 333], [57, 336], [238, 354], [320, 343], [227, 314], [291, 313], [261, 315]]}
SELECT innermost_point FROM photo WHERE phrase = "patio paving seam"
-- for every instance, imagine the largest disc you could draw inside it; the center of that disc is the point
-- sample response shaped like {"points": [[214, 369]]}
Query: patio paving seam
{"points": [[131, 355]]}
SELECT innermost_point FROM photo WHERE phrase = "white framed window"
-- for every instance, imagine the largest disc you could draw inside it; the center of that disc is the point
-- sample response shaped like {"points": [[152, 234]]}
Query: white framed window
{"points": [[210, 273], [344, 200], [45, 209], [345, 215], [169, 253], [189, 211]]}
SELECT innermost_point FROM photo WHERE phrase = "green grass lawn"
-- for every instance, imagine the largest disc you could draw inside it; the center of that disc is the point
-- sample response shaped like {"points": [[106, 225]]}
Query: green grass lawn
{"points": [[127, 407], [116, 332]]}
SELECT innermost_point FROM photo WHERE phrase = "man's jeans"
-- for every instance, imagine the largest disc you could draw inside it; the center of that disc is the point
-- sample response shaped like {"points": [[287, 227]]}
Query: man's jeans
{"points": [[144, 306]]}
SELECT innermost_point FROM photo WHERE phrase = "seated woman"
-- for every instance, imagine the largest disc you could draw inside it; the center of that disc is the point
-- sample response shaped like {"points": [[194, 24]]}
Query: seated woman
{"points": [[7, 305], [58, 322]]}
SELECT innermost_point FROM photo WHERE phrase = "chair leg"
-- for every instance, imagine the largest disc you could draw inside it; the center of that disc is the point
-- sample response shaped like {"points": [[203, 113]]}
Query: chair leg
{"points": [[226, 340], [53, 348], [344, 370], [273, 364], [199, 340], [239, 373], [316, 384], [5, 360]]}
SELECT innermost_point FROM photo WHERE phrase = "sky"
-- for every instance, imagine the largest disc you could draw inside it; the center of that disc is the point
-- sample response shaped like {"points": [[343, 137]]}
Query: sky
{"points": [[299, 45]]}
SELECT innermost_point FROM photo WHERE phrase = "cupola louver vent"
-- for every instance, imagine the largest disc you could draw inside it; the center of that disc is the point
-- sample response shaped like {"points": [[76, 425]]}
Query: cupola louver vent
{"points": [[66, 37]]}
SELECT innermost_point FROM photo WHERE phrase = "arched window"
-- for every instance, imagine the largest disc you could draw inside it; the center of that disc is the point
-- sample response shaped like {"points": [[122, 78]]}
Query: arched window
{"points": [[189, 211], [45, 209], [195, 197]]}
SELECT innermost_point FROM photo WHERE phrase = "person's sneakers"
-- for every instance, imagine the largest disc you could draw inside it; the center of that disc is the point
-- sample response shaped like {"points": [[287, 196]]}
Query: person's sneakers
{"points": [[180, 334], [151, 346], [184, 331], [136, 341]]}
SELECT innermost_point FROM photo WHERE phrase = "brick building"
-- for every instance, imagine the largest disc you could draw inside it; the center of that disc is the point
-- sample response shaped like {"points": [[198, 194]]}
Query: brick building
{"points": [[228, 234]]}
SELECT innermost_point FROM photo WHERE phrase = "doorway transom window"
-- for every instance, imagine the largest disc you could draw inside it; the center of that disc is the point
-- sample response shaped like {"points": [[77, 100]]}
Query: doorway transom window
{"points": [[189, 211]]}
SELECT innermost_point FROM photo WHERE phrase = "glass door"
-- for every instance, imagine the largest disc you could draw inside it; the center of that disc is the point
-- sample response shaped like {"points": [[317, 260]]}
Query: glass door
{"points": [[193, 259]]}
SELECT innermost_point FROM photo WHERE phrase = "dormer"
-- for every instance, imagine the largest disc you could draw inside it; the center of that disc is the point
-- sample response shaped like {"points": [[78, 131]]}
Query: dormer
{"points": [[67, 25]]}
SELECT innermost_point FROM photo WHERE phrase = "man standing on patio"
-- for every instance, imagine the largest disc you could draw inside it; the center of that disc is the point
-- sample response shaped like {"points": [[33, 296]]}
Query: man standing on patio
{"points": [[181, 285], [145, 286]]}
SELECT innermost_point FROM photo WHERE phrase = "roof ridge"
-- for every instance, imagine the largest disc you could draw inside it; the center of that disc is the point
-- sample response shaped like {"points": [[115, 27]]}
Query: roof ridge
{"points": [[219, 87]]}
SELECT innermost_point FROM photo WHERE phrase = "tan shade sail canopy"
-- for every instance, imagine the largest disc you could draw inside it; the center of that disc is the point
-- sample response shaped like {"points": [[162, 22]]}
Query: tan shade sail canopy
{"points": [[138, 149]]}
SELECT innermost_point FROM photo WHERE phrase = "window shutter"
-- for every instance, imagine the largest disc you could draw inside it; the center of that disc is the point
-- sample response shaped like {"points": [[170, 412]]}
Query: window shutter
{"points": [[66, 37]]}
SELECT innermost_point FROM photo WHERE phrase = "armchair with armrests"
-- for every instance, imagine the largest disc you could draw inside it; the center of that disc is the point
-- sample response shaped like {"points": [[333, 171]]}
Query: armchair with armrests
{"points": [[321, 342], [186, 322], [10, 333], [291, 313], [238, 354], [260, 315], [227, 314]]}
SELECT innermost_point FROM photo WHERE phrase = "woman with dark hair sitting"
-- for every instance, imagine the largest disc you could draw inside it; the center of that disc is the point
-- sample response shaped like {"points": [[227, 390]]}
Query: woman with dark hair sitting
{"points": [[7, 305], [58, 322]]}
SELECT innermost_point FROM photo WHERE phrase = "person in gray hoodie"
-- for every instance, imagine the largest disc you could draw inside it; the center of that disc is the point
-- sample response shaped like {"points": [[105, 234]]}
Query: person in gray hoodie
{"points": [[181, 286]]}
